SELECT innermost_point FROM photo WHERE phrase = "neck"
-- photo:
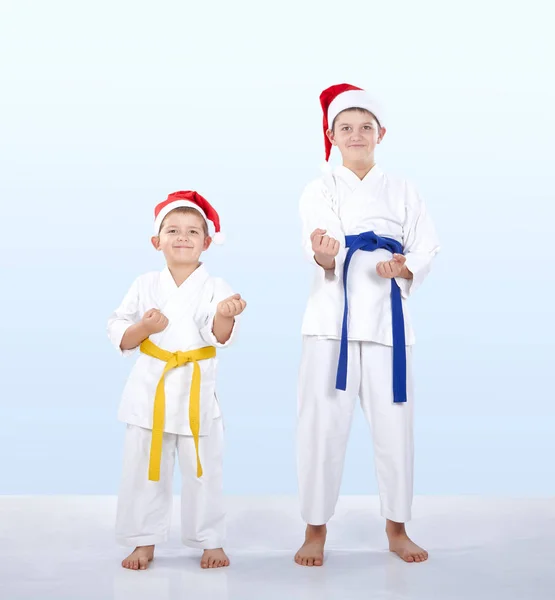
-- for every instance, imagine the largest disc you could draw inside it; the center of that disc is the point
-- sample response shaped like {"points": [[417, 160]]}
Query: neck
{"points": [[361, 168], [181, 272]]}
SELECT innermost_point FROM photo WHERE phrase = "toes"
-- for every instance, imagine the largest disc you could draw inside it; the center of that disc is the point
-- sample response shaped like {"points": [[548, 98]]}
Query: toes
{"points": [[318, 562], [143, 563]]}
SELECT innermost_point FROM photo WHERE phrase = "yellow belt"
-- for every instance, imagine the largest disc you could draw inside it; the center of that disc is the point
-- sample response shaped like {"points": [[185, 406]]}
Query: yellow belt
{"points": [[173, 360]]}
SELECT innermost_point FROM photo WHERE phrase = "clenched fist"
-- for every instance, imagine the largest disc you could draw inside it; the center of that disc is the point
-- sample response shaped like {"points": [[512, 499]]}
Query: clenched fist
{"points": [[154, 321], [231, 307], [323, 245], [393, 268]]}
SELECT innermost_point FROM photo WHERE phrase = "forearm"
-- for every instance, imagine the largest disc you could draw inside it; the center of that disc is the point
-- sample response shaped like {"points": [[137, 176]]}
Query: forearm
{"points": [[326, 262], [133, 336], [405, 273], [222, 328]]}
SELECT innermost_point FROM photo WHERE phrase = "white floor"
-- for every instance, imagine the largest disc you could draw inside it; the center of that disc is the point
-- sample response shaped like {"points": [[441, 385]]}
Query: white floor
{"points": [[62, 548]]}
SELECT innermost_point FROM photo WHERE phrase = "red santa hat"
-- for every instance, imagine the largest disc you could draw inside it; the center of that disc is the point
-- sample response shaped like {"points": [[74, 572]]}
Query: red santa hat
{"points": [[343, 96], [192, 200]]}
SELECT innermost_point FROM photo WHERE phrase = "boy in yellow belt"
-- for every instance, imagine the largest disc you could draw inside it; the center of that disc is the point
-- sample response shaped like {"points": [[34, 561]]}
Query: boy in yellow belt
{"points": [[176, 318]]}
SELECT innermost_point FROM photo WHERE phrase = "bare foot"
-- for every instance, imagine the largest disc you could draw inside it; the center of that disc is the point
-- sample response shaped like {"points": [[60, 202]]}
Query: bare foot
{"points": [[311, 553], [139, 558], [212, 559], [402, 545]]}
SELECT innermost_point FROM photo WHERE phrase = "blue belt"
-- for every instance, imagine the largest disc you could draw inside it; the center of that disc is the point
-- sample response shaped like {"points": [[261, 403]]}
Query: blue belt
{"points": [[369, 242]]}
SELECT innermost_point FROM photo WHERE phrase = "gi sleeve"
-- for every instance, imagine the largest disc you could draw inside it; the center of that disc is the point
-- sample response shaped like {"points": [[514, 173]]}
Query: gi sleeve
{"points": [[420, 242], [123, 317], [221, 291], [317, 213]]}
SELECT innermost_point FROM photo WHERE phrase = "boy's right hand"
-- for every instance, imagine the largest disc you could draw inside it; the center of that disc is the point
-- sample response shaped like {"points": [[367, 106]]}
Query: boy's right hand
{"points": [[325, 248], [154, 321]]}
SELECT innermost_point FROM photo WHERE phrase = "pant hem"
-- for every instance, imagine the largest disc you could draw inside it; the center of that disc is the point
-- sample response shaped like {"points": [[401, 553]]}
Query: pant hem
{"points": [[396, 517], [316, 522], [146, 540], [207, 545]]}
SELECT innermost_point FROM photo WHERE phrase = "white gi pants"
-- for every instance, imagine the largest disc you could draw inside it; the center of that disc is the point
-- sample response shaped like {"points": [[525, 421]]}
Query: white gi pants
{"points": [[324, 423], [144, 507]]}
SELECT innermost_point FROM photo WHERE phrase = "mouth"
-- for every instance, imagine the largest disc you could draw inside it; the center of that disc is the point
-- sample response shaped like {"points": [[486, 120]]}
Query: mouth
{"points": [[183, 247]]}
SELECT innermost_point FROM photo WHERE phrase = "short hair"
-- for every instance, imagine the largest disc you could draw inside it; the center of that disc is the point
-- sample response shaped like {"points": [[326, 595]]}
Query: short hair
{"points": [[187, 210]]}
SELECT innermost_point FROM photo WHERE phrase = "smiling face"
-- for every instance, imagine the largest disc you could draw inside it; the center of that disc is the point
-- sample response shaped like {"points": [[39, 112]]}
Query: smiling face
{"points": [[183, 237], [356, 132]]}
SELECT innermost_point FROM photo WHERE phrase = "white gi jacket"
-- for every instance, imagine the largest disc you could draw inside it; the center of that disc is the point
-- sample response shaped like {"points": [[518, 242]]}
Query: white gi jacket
{"points": [[190, 310], [342, 204]]}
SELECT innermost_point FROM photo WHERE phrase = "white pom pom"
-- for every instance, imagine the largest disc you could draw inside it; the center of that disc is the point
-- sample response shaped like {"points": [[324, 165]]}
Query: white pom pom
{"points": [[325, 167], [218, 238]]}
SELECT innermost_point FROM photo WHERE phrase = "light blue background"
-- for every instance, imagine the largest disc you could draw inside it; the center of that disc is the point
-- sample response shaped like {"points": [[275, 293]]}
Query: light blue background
{"points": [[108, 106]]}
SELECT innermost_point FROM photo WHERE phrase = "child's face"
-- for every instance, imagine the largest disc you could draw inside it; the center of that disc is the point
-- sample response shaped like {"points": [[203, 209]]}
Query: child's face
{"points": [[356, 134], [182, 238]]}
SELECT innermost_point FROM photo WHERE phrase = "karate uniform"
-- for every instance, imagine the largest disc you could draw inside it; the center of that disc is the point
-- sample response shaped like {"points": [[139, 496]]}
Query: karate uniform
{"points": [[144, 507], [344, 205]]}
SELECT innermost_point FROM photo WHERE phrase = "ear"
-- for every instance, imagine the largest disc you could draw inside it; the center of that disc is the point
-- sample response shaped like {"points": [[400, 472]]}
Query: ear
{"points": [[381, 136], [155, 241], [331, 137], [207, 243]]}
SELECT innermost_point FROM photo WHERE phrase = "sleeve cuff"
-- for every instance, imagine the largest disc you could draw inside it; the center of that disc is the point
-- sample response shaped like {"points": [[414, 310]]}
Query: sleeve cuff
{"points": [[337, 271], [116, 332], [209, 337], [419, 266]]}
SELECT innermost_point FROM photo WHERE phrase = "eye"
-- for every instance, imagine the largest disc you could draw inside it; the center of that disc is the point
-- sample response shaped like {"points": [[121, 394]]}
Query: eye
{"points": [[193, 232], [345, 128], [368, 127], [172, 230]]}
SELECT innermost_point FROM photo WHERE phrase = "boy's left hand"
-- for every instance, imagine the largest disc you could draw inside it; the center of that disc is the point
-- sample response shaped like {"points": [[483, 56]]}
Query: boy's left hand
{"points": [[392, 268], [231, 307]]}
